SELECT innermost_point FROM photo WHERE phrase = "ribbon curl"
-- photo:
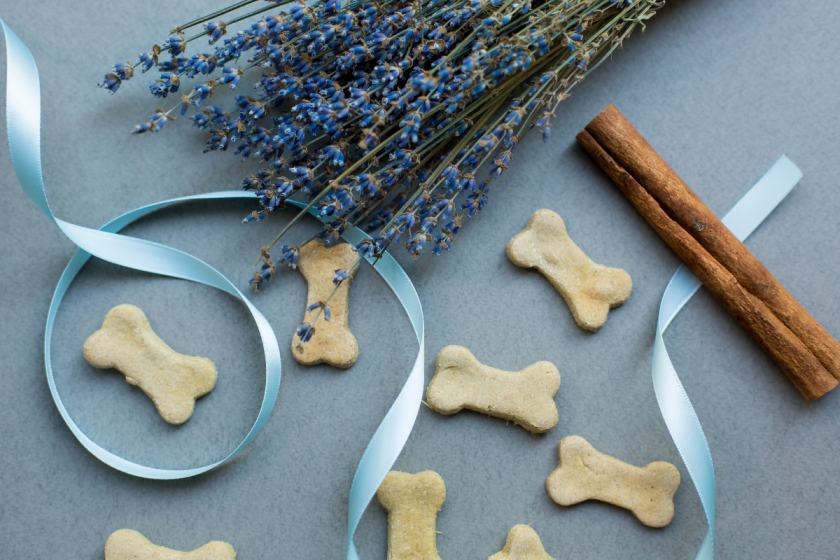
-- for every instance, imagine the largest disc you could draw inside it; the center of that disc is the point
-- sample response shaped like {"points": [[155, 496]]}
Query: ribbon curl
{"points": [[674, 404]]}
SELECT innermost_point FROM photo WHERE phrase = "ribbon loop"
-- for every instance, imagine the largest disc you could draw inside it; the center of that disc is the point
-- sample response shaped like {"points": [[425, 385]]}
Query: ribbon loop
{"points": [[23, 117], [676, 408]]}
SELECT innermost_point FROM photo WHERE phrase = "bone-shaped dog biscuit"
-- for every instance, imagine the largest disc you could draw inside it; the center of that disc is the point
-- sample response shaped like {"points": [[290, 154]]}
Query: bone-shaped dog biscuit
{"points": [[526, 397], [523, 543], [126, 544], [587, 474], [173, 381], [590, 289], [412, 501], [332, 342]]}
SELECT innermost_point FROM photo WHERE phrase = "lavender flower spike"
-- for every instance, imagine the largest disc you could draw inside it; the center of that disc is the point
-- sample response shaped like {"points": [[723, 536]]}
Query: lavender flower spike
{"points": [[381, 115]]}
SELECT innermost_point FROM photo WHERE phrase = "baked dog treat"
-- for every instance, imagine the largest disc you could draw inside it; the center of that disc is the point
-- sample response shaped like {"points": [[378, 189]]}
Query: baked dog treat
{"points": [[587, 474], [412, 501], [523, 543], [589, 289], [332, 342], [526, 397], [173, 381], [126, 544]]}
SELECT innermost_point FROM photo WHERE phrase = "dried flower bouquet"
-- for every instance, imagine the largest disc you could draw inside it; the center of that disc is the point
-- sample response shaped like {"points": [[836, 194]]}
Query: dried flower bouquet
{"points": [[382, 113]]}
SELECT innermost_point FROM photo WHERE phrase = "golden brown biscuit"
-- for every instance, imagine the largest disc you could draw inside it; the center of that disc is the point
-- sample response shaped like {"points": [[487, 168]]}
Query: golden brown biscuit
{"points": [[526, 397], [332, 342], [587, 474], [412, 501], [590, 289], [126, 544], [173, 381], [523, 543]]}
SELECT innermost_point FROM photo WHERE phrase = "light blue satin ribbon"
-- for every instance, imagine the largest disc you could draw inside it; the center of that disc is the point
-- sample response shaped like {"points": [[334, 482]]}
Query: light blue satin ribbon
{"points": [[23, 120], [676, 409]]}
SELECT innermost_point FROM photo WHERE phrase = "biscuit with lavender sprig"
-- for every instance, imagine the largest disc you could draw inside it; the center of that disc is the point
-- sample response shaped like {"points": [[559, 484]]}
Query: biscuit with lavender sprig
{"points": [[393, 116], [328, 272]]}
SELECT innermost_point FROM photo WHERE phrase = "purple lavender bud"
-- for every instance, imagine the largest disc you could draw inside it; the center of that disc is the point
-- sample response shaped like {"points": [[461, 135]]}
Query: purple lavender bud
{"points": [[215, 29], [141, 128], [305, 331], [367, 248], [149, 59], [176, 45], [111, 83], [340, 276]]}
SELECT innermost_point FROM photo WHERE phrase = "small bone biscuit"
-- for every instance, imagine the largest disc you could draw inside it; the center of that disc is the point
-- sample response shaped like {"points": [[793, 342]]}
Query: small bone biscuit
{"points": [[523, 543], [173, 381], [587, 474], [526, 397], [332, 342], [126, 544], [589, 289], [412, 501]]}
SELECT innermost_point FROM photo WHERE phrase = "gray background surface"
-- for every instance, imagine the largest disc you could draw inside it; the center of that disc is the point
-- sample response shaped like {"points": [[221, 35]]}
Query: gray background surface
{"points": [[721, 89]]}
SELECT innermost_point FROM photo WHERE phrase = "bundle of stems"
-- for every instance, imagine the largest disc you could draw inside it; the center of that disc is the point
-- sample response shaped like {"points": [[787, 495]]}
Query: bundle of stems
{"points": [[382, 113]]}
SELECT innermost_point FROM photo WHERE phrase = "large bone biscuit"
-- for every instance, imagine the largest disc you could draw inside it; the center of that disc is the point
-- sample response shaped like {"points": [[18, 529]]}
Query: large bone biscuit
{"points": [[173, 381], [412, 501], [526, 397], [587, 474], [522, 543], [590, 289], [126, 544], [332, 342]]}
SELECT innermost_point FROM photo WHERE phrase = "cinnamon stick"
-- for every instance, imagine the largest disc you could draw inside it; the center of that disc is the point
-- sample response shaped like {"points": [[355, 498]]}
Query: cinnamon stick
{"points": [[620, 139], [794, 340]]}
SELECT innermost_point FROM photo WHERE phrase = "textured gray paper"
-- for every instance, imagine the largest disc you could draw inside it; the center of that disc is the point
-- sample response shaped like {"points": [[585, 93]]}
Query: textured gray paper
{"points": [[721, 89]]}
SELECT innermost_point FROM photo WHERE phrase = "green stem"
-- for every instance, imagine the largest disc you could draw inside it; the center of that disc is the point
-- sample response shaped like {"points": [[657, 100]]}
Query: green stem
{"points": [[324, 192], [214, 15]]}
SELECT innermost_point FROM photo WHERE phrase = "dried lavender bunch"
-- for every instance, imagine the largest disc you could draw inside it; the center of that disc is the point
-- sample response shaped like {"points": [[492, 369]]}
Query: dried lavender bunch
{"points": [[382, 114]]}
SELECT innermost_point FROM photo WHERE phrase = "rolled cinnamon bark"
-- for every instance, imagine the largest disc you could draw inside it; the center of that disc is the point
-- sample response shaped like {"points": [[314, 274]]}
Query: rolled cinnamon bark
{"points": [[795, 340], [623, 142]]}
